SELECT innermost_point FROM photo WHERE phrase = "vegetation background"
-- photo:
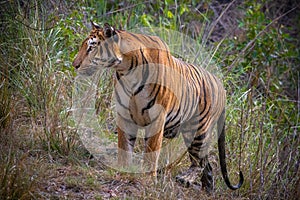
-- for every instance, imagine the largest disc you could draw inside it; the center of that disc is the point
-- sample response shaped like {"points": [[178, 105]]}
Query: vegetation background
{"points": [[255, 44]]}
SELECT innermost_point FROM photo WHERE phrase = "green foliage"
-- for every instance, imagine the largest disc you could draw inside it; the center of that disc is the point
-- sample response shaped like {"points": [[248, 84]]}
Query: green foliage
{"points": [[260, 102]]}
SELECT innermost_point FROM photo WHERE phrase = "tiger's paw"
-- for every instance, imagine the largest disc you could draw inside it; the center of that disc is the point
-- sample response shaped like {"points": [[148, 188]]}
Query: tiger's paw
{"points": [[207, 180], [189, 177]]}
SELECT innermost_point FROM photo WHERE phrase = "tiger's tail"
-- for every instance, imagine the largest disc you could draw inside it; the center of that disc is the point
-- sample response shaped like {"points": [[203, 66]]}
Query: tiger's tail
{"points": [[222, 156]]}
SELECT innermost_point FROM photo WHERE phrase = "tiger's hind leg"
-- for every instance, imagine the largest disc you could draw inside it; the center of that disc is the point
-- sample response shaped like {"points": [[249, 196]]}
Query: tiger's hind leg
{"points": [[192, 175], [189, 177], [207, 177], [200, 171]]}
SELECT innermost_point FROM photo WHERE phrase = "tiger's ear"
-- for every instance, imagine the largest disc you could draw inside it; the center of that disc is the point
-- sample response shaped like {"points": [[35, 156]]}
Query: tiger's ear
{"points": [[94, 25], [108, 30]]}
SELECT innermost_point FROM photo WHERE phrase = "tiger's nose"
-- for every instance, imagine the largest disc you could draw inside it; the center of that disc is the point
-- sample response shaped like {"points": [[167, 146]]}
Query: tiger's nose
{"points": [[76, 66]]}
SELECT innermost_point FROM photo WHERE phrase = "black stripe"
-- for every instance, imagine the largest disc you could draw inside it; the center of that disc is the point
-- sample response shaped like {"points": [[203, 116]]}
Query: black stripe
{"points": [[171, 112], [149, 105], [132, 63], [196, 121], [173, 126], [202, 125], [101, 50], [119, 100], [118, 76], [107, 49], [155, 89], [200, 137], [168, 54], [212, 89], [153, 40], [174, 117], [144, 60], [145, 73], [120, 81], [204, 95], [194, 76], [135, 36], [140, 88], [128, 121], [151, 102]]}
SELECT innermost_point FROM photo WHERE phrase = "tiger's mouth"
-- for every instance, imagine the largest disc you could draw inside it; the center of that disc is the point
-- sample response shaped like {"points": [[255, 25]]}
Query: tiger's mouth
{"points": [[88, 71]]}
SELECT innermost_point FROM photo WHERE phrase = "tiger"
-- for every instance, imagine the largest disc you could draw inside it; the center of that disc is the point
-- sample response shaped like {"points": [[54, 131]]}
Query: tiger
{"points": [[162, 94]]}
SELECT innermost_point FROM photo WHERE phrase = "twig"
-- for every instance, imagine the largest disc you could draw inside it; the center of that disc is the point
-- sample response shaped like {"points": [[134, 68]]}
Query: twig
{"points": [[33, 28], [219, 18]]}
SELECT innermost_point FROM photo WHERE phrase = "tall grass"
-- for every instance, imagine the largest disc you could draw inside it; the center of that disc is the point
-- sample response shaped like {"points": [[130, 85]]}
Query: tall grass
{"points": [[35, 93], [39, 78]]}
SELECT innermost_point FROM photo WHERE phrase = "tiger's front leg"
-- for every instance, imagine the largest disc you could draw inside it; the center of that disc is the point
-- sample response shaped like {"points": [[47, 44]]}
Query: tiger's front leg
{"points": [[153, 146], [125, 148]]}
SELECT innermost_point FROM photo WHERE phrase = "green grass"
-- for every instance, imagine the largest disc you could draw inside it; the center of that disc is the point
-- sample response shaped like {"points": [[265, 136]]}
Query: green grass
{"points": [[41, 154]]}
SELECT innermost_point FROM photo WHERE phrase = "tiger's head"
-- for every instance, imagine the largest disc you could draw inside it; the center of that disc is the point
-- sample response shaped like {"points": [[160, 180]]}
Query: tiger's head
{"points": [[100, 50]]}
